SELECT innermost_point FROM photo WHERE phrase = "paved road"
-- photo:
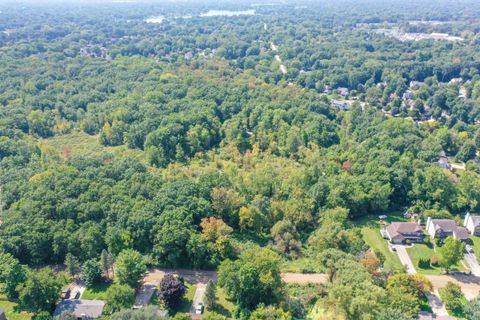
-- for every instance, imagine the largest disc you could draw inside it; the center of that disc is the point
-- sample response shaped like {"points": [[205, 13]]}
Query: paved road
{"points": [[472, 264], [405, 258], [437, 305]]}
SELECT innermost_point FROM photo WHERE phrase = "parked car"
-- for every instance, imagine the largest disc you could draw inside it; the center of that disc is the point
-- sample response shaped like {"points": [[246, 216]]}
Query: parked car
{"points": [[382, 217], [75, 295], [469, 248], [199, 309], [66, 293]]}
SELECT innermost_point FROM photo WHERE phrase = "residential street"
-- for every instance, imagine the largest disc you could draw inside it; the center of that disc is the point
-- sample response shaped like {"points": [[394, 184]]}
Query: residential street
{"points": [[472, 264], [405, 258]]}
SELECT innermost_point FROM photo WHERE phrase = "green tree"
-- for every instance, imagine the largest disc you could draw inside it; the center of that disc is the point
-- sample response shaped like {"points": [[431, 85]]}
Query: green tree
{"points": [[451, 253], [130, 268], [270, 312], [452, 297], [253, 279], [91, 272], [72, 264], [106, 262], [210, 298], [119, 297], [12, 273], [472, 309], [41, 291]]}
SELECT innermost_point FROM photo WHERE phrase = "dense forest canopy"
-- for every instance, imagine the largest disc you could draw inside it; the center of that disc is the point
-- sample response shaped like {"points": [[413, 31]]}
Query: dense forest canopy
{"points": [[194, 139]]}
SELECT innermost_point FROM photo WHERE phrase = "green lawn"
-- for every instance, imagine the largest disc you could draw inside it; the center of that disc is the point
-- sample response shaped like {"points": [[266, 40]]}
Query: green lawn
{"points": [[188, 299], [301, 265], [426, 251], [370, 227], [97, 292], [224, 305], [9, 308], [374, 240]]}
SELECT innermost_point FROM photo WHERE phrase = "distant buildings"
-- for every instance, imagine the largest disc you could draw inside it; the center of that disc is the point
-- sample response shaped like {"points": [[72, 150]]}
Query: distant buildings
{"points": [[340, 105]]}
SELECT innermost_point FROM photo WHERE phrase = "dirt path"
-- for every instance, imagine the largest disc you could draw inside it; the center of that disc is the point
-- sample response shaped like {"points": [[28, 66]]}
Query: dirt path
{"points": [[437, 305], [470, 284]]}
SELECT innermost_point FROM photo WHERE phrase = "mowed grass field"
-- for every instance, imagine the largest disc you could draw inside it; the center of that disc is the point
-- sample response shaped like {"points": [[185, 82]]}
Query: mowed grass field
{"points": [[370, 228], [426, 251], [9, 308]]}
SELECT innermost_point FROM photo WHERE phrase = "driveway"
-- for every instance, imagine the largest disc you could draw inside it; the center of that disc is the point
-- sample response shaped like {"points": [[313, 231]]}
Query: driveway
{"points": [[144, 295], [405, 258], [438, 308], [198, 297], [472, 264]]}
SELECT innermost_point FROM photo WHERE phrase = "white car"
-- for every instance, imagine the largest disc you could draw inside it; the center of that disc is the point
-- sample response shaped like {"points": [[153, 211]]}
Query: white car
{"points": [[469, 248], [199, 309]]}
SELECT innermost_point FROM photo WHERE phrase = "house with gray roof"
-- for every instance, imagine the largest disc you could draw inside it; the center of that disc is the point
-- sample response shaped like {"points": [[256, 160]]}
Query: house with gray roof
{"points": [[472, 223], [82, 309], [442, 228], [401, 232], [3, 316]]}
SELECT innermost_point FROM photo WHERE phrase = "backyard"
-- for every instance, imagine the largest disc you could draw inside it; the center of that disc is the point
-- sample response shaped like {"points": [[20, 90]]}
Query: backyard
{"points": [[370, 228], [9, 308]]}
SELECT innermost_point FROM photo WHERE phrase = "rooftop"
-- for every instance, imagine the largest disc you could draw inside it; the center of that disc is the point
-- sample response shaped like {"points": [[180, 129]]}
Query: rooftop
{"points": [[80, 308]]}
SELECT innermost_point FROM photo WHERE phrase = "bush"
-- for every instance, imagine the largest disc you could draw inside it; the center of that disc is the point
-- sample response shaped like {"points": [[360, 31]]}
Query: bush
{"points": [[452, 297], [424, 263], [119, 296]]}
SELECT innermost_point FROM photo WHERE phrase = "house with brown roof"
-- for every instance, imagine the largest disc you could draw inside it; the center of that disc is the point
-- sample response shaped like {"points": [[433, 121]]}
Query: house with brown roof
{"points": [[401, 232], [442, 228], [472, 223]]}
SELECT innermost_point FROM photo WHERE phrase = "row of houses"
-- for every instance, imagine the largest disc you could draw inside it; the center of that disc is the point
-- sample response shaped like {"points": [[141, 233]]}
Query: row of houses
{"points": [[402, 232]]}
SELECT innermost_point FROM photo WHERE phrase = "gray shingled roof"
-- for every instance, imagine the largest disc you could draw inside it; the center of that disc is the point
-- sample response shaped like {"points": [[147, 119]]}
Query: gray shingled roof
{"points": [[2, 315], [80, 308]]}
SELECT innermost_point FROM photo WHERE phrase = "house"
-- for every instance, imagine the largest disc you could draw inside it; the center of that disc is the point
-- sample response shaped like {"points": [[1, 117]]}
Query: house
{"points": [[407, 95], [472, 223], [456, 81], [443, 163], [2, 315], [81, 309], [401, 232], [342, 91], [442, 228], [340, 105], [327, 89], [415, 85]]}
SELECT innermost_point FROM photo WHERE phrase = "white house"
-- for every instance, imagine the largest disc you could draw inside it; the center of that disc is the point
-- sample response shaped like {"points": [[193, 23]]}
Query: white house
{"points": [[442, 228], [472, 223]]}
